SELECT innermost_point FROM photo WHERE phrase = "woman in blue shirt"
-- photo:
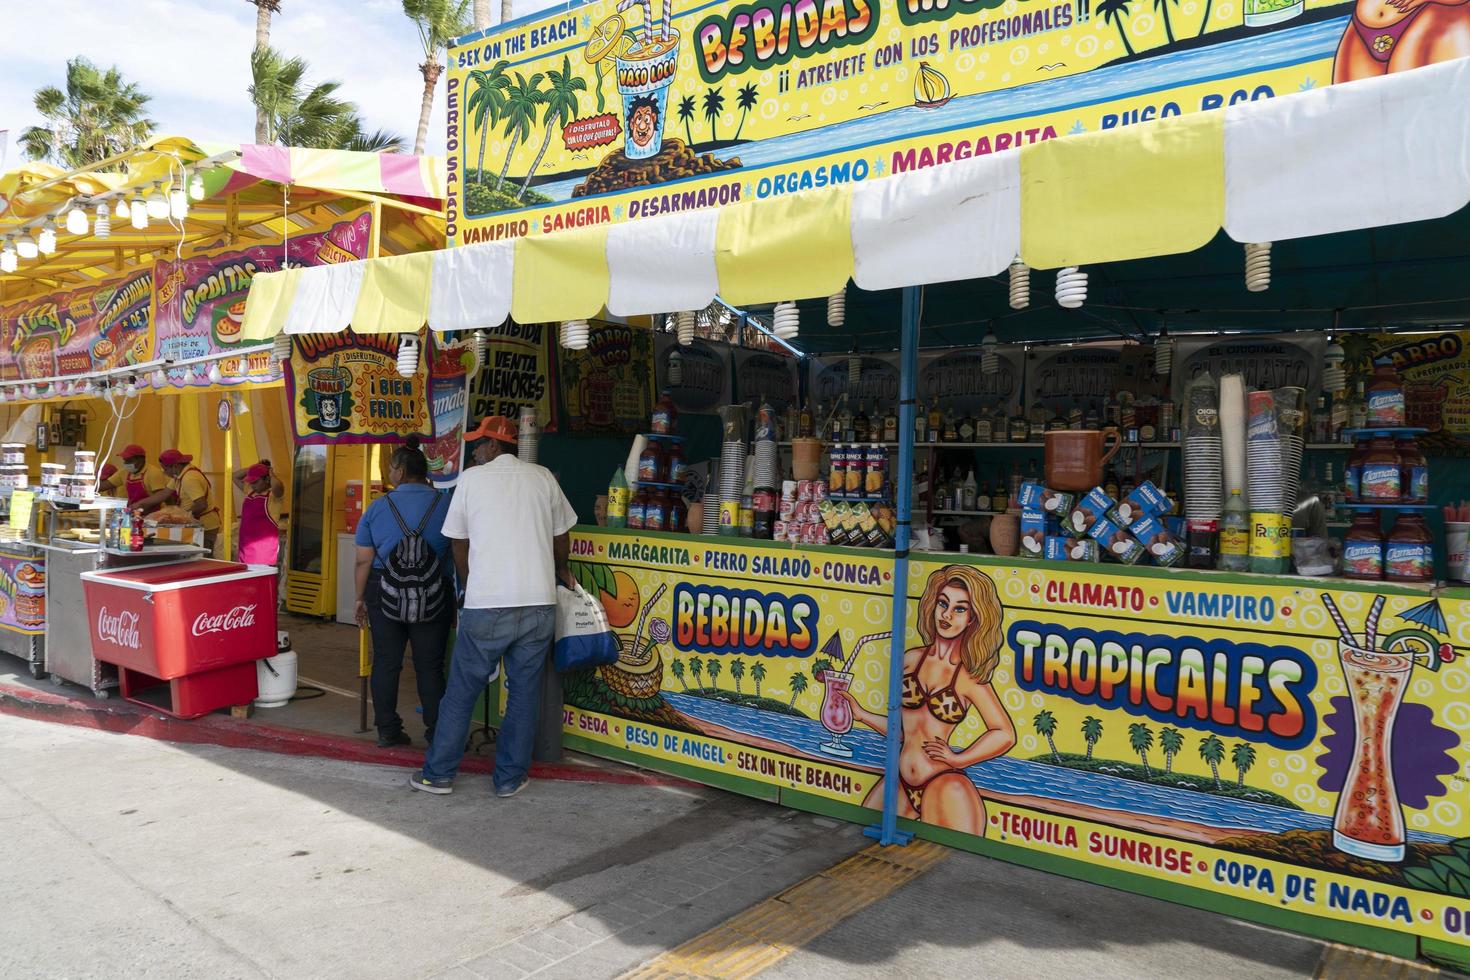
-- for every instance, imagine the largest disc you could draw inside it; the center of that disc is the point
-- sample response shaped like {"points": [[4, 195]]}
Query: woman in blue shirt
{"points": [[378, 533]]}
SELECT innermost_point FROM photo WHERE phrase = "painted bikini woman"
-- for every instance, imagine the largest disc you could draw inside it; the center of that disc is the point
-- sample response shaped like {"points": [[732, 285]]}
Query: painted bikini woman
{"points": [[1385, 36], [959, 621]]}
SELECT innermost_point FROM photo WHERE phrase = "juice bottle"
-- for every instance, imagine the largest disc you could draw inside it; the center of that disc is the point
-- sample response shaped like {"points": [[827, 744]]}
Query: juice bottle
{"points": [[665, 415], [678, 517], [1413, 472], [1352, 474], [1385, 397], [1381, 480], [638, 509], [1362, 548], [656, 511], [651, 464], [1235, 536], [618, 499], [677, 468], [1408, 554]]}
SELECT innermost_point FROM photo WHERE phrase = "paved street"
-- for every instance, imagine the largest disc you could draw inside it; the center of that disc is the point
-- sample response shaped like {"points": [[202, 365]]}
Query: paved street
{"points": [[131, 857]]}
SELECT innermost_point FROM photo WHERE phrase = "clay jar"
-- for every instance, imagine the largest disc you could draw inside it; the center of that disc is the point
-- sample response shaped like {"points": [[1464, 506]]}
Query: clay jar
{"points": [[1005, 534], [1075, 458]]}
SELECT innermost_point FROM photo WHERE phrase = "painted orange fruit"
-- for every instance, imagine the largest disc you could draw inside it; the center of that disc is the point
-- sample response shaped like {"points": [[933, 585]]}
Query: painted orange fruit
{"points": [[622, 608]]}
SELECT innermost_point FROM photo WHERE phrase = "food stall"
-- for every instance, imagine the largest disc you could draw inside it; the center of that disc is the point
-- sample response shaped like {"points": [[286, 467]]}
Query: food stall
{"points": [[1281, 747]]}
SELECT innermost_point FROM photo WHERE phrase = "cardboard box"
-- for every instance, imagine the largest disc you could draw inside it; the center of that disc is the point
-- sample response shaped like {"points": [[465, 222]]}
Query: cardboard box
{"points": [[1163, 548], [1054, 503], [1059, 547], [1088, 511], [1116, 543]]}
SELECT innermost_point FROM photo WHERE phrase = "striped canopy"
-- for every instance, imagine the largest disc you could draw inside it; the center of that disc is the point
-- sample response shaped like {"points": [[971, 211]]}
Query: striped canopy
{"points": [[1359, 155]]}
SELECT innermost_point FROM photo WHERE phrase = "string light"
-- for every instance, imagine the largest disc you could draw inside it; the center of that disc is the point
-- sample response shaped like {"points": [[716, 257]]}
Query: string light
{"points": [[46, 240], [786, 320], [676, 367], [215, 374], [989, 356], [1258, 266], [157, 204], [178, 204], [408, 356], [1164, 353], [189, 376], [160, 378], [8, 260], [102, 226], [281, 348], [1071, 287], [121, 211], [76, 220], [1020, 285], [25, 246], [1334, 378], [837, 308], [138, 213], [575, 334], [684, 323], [196, 187]]}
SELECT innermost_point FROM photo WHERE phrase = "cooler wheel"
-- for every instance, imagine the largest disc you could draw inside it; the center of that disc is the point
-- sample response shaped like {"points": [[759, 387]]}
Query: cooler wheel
{"points": [[57, 680], [38, 671], [101, 693]]}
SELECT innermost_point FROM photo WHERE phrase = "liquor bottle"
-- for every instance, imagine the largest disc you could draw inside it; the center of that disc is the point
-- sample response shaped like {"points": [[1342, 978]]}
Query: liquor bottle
{"points": [[936, 423], [1038, 421], [1031, 475], [804, 421], [1016, 480], [890, 425], [982, 498], [1057, 422], [975, 428], [860, 431], [793, 423], [617, 499], [1112, 411], [1074, 418], [1329, 492], [1321, 422], [1091, 419], [1020, 430], [1358, 410], [999, 498], [969, 490], [921, 424], [998, 425], [843, 432], [951, 427], [1339, 414], [1110, 484]]}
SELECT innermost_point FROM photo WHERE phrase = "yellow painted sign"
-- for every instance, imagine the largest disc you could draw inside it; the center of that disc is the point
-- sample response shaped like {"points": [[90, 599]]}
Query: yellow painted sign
{"points": [[612, 110], [1269, 739]]}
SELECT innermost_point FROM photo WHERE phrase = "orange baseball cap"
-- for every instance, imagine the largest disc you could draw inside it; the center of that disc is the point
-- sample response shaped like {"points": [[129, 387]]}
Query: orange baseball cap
{"points": [[172, 457], [496, 427], [131, 450]]}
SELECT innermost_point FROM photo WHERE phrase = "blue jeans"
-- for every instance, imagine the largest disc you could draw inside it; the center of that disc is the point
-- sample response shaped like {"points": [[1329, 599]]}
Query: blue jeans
{"points": [[522, 635]]}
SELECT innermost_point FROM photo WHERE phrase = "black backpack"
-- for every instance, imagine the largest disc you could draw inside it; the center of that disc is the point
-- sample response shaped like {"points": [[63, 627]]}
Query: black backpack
{"points": [[412, 584]]}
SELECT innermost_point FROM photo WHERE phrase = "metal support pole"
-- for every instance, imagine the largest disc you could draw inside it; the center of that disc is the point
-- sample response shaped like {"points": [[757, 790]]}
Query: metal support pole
{"points": [[887, 832]]}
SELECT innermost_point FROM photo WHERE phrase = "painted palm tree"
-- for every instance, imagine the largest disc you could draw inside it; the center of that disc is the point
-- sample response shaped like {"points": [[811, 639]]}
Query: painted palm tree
{"points": [[1162, 6], [745, 100], [714, 104], [713, 668], [96, 115], [438, 23], [1115, 12], [1141, 739], [1212, 750], [1242, 757], [696, 667], [264, 10], [737, 671], [758, 674], [522, 96], [1092, 730], [686, 115], [1045, 724], [677, 667], [485, 105], [798, 686], [560, 100], [1170, 741]]}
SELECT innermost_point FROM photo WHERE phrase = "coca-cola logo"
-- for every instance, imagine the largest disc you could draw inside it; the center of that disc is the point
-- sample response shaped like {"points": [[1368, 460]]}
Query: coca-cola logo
{"points": [[238, 618], [121, 629]]}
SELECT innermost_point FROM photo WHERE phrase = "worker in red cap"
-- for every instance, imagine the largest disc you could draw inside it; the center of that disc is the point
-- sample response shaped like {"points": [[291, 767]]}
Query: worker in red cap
{"points": [[140, 477], [105, 482], [190, 489], [260, 513], [507, 526]]}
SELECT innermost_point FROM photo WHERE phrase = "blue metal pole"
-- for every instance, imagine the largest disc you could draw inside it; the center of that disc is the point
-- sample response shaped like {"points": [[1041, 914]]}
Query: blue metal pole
{"points": [[887, 831]]}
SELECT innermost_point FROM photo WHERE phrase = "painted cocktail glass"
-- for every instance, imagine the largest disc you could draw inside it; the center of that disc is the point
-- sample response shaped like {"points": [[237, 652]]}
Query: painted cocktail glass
{"points": [[836, 712], [645, 71], [329, 384], [1369, 822]]}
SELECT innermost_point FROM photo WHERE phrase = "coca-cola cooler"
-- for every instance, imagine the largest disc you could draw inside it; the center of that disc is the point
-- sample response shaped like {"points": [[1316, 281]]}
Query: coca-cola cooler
{"points": [[197, 626]]}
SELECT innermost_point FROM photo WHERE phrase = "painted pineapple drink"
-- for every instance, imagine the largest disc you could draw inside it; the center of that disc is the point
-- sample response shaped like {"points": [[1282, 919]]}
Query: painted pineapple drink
{"points": [[645, 71], [1369, 822]]}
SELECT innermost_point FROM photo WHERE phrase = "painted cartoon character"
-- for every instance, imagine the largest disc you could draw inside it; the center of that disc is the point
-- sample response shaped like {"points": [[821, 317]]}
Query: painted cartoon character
{"points": [[959, 620], [643, 124], [1395, 35]]}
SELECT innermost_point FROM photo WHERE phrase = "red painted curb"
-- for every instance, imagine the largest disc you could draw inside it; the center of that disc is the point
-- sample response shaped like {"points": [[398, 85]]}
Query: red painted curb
{"points": [[126, 718]]}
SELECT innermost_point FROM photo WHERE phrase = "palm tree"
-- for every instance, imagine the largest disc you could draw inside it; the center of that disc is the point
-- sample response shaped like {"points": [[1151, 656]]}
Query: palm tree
{"points": [[1212, 750], [360, 141], [746, 100], [439, 22], [482, 14], [486, 101], [1242, 757], [519, 113], [99, 114], [1162, 6], [820, 666], [678, 668], [1171, 742], [560, 99], [798, 685], [714, 667], [714, 104], [1045, 724], [1114, 12], [686, 113], [1141, 739], [696, 666], [264, 9], [737, 671], [1092, 730], [299, 114], [758, 674]]}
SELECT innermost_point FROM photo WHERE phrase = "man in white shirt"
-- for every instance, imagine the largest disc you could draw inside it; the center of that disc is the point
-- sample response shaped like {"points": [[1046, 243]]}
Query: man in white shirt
{"points": [[507, 526]]}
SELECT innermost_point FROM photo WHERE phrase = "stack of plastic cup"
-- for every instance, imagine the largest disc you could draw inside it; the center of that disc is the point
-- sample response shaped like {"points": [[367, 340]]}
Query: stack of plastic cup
{"points": [[528, 437], [767, 454], [1264, 478], [732, 485], [1204, 494], [1291, 419]]}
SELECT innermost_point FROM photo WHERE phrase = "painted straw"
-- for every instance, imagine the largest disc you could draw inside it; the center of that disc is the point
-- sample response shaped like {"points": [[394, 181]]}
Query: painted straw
{"points": [[668, 12], [626, 5], [648, 20], [847, 665], [638, 634], [1370, 631], [1342, 626]]}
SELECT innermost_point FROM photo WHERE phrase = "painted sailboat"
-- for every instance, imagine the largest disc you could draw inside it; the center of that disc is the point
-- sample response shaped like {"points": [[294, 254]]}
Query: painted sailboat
{"points": [[931, 88]]}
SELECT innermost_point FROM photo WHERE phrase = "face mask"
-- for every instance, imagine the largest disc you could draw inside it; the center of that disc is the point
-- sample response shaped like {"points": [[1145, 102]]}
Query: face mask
{"points": [[131, 467]]}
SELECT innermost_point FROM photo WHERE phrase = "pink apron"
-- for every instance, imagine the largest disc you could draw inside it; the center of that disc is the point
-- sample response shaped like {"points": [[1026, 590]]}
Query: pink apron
{"points": [[260, 537]]}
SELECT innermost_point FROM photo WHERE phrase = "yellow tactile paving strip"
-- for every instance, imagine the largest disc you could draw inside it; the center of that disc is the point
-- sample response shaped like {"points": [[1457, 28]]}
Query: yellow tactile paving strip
{"points": [[1347, 963], [767, 933]]}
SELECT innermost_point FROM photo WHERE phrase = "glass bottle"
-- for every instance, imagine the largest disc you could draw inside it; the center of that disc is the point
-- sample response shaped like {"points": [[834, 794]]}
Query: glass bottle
{"points": [[860, 430], [804, 421], [982, 497], [998, 424], [1358, 412], [951, 426], [890, 425], [975, 428], [921, 425], [936, 422], [969, 490]]}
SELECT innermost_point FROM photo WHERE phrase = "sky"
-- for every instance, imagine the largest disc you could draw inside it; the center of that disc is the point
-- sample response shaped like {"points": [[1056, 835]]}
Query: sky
{"points": [[193, 57]]}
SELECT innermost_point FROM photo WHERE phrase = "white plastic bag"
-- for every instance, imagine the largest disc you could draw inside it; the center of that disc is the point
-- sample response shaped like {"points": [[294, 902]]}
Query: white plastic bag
{"points": [[583, 637]]}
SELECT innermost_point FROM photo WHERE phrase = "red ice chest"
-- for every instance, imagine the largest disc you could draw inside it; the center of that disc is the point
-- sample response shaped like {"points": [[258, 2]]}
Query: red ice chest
{"points": [[197, 626]]}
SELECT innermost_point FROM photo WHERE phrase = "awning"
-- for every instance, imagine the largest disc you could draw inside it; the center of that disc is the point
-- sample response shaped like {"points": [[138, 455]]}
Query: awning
{"points": [[1360, 155]]}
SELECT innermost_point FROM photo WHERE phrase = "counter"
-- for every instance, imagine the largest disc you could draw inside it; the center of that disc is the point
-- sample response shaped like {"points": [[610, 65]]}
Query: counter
{"points": [[23, 604], [1178, 733]]}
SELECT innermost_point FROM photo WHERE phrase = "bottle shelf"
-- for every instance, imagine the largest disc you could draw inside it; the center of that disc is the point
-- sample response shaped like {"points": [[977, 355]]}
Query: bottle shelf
{"points": [[1001, 445], [656, 437], [1395, 433], [1348, 505], [967, 513]]}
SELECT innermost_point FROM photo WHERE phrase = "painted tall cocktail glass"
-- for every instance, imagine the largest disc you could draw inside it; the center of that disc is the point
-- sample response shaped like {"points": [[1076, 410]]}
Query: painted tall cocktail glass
{"points": [[836, 712], [645, 71], [1369, 822]]}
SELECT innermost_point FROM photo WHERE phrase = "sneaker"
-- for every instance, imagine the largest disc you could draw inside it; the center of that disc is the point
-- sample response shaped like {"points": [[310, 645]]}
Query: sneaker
{"points": [[422, 783], [393, 741], [506, 792]]}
